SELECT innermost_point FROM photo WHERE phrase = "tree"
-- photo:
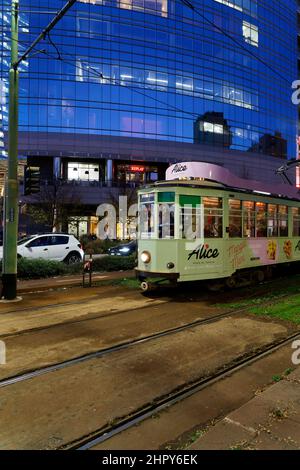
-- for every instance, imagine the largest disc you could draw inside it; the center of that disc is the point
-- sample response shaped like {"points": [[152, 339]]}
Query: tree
{"points": [[126, 213], [53, 204]]}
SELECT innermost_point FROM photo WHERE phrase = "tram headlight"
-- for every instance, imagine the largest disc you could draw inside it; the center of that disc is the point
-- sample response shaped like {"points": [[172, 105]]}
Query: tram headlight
{"points": [[145, 257]]}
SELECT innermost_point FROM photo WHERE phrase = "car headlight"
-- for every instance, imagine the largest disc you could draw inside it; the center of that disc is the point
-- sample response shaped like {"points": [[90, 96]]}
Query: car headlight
{"points": [[124, 250], [145, 257]]}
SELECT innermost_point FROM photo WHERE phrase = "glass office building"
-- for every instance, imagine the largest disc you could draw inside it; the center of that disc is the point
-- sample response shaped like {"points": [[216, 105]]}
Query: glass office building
{"points": [[122, 88]]}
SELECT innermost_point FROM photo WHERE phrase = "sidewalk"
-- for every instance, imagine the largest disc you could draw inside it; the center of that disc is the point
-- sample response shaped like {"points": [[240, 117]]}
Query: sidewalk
{"points": [[69, 281], [270, 421]]}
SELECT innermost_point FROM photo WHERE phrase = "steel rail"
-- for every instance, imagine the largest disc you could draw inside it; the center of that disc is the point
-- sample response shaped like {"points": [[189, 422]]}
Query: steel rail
{"points": [[107, 432], [118, 347]]}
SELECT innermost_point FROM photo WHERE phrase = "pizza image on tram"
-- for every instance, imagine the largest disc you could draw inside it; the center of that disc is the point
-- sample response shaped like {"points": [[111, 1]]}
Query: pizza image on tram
{"points": [[271, 251], [287, 248]]}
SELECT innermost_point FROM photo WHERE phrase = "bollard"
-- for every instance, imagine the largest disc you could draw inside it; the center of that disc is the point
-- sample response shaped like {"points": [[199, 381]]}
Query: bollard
{"points": [[87, 269]]}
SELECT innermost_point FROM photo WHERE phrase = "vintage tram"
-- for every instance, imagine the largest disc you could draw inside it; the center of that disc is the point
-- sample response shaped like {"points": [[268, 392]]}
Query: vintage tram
{"points": [[204, 223]]}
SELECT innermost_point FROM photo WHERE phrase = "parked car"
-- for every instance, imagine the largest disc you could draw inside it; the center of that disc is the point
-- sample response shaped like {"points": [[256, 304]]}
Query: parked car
{"points": [[126, 249], [51, 246]]}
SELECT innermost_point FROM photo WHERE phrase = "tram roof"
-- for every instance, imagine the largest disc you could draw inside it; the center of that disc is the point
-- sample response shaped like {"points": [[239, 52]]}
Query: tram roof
{"points": [[202, 183]]}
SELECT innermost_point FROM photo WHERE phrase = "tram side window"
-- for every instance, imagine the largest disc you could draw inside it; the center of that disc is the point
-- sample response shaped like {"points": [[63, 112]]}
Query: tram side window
{"points": [[283, 221], [296, 221], [261, 219], [248, 219], [166, 215], [213, 217], [235, 218], [190, 216], [273, 220]]}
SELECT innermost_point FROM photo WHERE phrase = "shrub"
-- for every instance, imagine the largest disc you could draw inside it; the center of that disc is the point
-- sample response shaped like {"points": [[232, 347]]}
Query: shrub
{"points": [[97, 247], [114, 263], [40, 268]]}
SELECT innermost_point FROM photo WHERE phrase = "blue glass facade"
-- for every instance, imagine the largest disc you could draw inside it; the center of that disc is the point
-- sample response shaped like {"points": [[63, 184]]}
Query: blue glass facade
{"points": [[152, 69]]}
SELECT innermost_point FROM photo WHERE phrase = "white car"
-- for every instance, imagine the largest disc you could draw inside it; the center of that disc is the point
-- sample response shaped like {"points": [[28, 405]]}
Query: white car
{"points": [[52, 246]]}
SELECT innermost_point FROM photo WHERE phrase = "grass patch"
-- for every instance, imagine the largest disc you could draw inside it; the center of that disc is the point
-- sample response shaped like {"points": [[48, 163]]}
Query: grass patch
{"points": [[288, 310], [276, 378], [130, 283], [280, 293]]}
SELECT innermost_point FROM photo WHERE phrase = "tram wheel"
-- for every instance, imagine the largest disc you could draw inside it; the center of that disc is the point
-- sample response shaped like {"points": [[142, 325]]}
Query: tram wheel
{"points": [[269, 272], [260, 275], [147, 286], [231, 282]]}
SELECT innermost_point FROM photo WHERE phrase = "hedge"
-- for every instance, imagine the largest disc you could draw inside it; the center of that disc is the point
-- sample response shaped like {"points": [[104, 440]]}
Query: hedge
{"points": [[98, 247], [39, 268], [114, 263]]}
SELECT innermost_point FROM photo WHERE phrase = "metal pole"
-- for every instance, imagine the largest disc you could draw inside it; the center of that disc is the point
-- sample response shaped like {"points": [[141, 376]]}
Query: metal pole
{"points": [[9, 264], [9, 268]]}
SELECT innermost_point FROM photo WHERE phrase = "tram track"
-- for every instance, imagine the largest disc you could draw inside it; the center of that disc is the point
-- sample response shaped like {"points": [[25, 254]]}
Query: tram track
{"points": [[161, 403], [32, 373], [106, 314], [118, 347]]}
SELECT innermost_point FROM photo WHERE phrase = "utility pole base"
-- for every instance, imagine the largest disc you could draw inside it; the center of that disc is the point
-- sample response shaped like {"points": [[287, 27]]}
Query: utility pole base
{"points": [[9, 286]]}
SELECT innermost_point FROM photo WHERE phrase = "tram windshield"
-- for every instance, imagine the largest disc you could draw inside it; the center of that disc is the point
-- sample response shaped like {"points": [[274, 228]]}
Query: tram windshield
{"points": [[147, 216]]}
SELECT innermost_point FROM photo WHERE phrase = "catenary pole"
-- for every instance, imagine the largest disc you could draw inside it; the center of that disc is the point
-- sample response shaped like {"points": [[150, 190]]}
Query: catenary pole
{"points": [[9, 268], [9, 264]]}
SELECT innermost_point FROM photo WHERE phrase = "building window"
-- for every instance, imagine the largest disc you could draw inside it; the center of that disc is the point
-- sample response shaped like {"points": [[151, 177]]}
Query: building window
{"points": [[250, 33], [236, 4], [136, 173], [87, 71], [184, 84], [156, 7], [157, 80], [248, 6], [83, 171], [214, 128]]}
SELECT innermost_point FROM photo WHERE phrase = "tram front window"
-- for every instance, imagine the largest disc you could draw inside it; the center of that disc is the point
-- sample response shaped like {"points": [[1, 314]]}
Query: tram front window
{"points": [[147, 208]]}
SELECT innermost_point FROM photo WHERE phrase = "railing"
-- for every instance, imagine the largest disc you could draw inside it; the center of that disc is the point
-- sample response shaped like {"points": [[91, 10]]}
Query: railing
{"points": [[89, 184]]}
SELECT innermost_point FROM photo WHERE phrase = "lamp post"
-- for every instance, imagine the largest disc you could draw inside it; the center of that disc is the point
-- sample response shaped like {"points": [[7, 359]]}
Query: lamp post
{"points": [[9, 265]]}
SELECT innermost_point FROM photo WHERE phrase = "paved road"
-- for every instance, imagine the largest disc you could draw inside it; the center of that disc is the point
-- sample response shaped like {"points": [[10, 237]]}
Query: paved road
{"points": [[52, 326]]}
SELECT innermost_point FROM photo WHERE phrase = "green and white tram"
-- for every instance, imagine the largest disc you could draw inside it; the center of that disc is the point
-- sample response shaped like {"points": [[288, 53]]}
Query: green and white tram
{"points": [[204, 223]]}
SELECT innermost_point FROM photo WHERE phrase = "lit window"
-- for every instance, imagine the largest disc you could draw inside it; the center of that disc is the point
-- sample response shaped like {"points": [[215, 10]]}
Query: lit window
{"points": [[184, 84], [250, 33], [156, 80], [248, 6], [214, 128], [236, 4], [156, 7], [83, 171]]}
